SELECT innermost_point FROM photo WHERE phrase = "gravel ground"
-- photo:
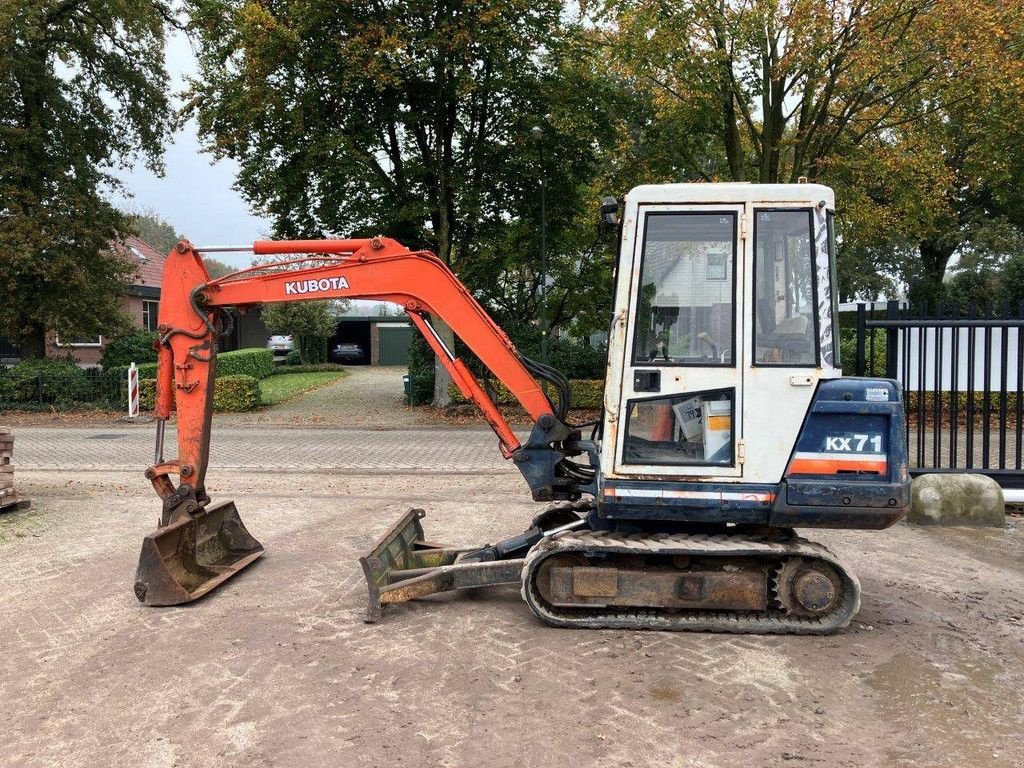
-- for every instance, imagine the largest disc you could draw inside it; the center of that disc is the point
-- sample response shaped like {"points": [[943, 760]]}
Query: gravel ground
{"points": [[277, 668]]}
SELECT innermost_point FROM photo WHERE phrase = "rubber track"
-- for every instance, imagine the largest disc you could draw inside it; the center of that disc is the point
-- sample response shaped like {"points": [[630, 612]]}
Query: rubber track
{"points": [[694, 545]]}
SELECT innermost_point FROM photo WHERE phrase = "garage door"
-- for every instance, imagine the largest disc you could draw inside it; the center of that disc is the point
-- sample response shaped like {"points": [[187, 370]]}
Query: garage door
{"points": [[394, 344]]}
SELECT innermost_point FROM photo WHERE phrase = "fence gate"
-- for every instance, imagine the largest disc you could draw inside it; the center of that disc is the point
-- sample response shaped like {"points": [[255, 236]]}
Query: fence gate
{"points": [[962, 374]]}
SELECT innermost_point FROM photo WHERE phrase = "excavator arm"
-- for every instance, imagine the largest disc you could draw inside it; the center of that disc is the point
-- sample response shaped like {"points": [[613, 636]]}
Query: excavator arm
{"points": [[381, 269]]}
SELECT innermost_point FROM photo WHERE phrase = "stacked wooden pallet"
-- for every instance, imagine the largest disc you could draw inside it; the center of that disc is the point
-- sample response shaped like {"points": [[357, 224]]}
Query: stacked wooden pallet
{"points": [[9, 497]]}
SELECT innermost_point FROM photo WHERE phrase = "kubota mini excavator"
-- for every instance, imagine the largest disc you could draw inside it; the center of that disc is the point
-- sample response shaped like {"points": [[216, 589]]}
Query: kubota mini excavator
{"points": [[726, 424]]}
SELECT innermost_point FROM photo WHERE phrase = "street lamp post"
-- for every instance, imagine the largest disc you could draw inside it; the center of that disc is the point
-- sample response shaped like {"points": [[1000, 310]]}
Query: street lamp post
{"points": [[538, 134]]}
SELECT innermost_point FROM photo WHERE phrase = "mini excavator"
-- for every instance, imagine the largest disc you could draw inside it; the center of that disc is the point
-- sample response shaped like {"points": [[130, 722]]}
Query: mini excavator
{"points": [[726, 424]]}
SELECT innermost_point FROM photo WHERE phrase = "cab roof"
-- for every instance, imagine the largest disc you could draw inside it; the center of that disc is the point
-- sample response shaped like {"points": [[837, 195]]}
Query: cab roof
{"points": [[732, 193]]}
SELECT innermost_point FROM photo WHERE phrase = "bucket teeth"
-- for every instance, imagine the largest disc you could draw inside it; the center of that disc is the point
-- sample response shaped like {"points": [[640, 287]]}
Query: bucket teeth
{"points": [[193, 555]]}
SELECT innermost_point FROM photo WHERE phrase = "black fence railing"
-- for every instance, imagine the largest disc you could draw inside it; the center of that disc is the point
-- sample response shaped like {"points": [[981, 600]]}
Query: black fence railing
{"points": [[47, 390], [962, 372]]}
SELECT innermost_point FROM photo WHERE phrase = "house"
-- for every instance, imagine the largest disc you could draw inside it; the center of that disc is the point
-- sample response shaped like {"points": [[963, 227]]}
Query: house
{"points": [[140, 302], [384, 339]]}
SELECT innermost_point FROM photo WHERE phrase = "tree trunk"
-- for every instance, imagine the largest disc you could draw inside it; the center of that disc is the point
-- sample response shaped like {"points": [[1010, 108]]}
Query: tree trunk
{"points": [[33, 342], [935, 256], [442, 381]]}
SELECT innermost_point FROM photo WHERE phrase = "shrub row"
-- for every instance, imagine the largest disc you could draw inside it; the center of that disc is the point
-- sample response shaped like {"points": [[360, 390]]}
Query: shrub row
{"points": [[230, 393], [256, 362], [55, 382], [946, 402], [584, 393], [313, 368]]}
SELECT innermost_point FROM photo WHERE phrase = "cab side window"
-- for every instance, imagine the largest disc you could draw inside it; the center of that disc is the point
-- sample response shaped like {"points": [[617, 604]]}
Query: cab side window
{"points": [[785, 309]]}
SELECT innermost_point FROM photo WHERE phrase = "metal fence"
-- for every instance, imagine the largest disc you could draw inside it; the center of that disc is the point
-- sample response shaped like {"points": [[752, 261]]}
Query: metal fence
{"points": [[19, 390], [962, 372]]}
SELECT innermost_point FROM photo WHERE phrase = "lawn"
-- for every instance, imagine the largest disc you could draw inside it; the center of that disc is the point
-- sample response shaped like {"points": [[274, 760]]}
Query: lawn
{"points": [[278, 389]]}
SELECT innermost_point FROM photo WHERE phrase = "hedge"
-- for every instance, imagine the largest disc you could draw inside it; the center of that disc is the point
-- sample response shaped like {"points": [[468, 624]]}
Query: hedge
{"points": [[584, 393], [256, 362], [312, 368], [230, 393], [56, 382]]}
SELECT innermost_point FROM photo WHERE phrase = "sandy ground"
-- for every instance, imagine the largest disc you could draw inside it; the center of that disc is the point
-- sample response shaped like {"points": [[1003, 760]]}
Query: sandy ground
{"points": [[278, 669]]}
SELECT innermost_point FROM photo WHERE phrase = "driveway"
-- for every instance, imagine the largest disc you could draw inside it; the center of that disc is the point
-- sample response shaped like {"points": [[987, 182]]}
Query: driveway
{"points": [[277, 668], [370, 396]]}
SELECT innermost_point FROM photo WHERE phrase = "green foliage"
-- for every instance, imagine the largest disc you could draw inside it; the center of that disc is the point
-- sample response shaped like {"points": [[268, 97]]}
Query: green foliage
{"points": [[584, 393], [54, 383], [236, 393], [216, 267], [448, 160], [421, 371], [293, 358], [909, 110], [318, 368], [230, 393], [310, 323], [124, 349], [255, 362], [152, 228], [312, 349], [83, 89], [848, 351]]}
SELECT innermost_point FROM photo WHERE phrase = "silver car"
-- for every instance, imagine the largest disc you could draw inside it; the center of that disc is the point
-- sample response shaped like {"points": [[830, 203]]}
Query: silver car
{"points": [[280, 345]]}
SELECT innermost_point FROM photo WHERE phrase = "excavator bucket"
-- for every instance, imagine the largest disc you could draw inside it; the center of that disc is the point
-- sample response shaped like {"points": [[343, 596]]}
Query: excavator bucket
{"points": [[189, 557]]}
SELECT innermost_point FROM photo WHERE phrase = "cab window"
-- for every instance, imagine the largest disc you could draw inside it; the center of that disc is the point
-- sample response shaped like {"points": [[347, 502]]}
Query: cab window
{"points": [[785, 312], [687, 288]]}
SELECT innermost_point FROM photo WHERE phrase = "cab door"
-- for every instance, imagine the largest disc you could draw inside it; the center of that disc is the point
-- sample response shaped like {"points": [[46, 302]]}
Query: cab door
{"points": [[681, 410], [790, 294]]}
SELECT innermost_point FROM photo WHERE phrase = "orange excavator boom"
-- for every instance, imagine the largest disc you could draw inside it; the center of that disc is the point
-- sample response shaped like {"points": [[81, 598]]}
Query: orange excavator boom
{"points": [[192, 317]]}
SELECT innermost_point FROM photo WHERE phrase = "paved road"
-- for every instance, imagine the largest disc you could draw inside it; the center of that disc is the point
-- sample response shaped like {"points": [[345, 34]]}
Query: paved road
{"points": [[264, 448], [277, 668]]}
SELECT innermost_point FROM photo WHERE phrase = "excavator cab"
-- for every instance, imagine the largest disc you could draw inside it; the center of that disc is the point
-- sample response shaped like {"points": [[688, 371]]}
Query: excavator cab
{"points": [[726, 424], [725, 402]]}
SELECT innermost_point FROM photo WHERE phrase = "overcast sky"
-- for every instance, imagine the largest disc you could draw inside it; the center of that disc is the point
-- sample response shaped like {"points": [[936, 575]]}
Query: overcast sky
{"points": [[196, 194]]}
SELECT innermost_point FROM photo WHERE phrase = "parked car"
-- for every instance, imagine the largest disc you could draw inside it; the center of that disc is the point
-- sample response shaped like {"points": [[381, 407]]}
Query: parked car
{"points": [[280, 346], [347, 353]]}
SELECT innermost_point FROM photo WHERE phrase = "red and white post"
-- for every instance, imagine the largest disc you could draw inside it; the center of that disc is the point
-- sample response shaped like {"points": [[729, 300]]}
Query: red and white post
{"points": [[133, 391]]}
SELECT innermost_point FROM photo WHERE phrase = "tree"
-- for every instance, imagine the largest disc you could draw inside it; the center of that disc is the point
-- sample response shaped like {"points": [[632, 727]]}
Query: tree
{"points": [[410, 118], [309, 323], [154, 229], [871, 96], [82, 90]]}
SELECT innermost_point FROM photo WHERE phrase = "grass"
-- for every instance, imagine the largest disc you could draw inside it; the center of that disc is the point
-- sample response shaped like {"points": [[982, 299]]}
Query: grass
{"points": [[278, 389]]}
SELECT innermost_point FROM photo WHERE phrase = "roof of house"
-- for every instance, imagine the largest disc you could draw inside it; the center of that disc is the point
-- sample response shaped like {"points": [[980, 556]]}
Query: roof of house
{"points": [[150, 261]]}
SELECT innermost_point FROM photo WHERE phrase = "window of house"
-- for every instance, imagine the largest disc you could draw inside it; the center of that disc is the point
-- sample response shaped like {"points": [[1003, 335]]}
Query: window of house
{"points": [[80, 341], [687, 284], [785, 311], [149, 315]]}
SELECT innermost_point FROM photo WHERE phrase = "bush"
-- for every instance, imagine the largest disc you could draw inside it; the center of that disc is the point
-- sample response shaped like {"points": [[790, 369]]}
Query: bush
{"points": [[421, 371], [123, 350], [255, 361], [319, 368], [230, 393], [312, 349], [58, 381], [584, 393], [293, 358], [236, 393], [848, 352], [576, 360]]}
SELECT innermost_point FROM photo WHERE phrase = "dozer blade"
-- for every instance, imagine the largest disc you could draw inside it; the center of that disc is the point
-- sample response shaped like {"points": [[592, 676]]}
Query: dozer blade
{"points": [[403, 566], [192, 556]]}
